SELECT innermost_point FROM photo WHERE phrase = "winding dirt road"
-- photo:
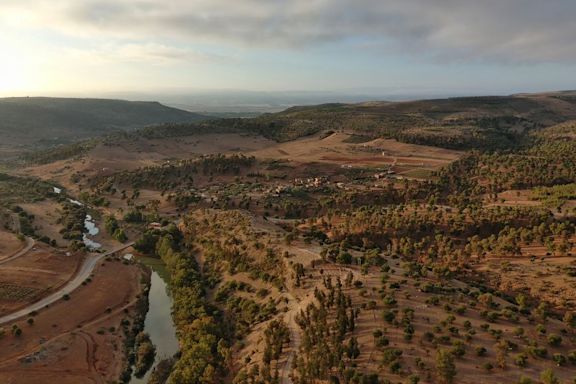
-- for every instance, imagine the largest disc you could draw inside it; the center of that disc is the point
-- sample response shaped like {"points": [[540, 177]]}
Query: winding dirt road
{"points": [[83, 273], [30, 242]]}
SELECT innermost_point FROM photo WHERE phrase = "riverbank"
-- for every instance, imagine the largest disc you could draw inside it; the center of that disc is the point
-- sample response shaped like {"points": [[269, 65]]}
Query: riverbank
{"points": [[158, 323]]}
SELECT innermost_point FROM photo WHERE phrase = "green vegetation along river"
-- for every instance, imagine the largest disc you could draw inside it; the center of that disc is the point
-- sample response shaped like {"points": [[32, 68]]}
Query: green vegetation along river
{"points": [[158, 323]]}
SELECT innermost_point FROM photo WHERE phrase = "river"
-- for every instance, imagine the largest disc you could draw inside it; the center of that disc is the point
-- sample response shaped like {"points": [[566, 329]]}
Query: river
{"points": [[89, 225], [93, 230], [158, 323]]}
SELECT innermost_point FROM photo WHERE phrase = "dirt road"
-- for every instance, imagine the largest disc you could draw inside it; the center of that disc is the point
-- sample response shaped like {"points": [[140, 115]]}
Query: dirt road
{"points": [[30, 242], [83, 273], [295, 341]]}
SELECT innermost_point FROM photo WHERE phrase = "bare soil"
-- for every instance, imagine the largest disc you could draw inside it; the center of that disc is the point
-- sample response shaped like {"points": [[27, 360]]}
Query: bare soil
{"points": [[108, 159], [75, 341], [46, 214], [9, 244], [376, 153], [428, 317], [35, 274]]}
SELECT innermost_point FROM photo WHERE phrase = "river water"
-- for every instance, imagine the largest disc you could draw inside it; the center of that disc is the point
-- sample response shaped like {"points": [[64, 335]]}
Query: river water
{"points": [[158, 323], [89, 224], [93, 230]]}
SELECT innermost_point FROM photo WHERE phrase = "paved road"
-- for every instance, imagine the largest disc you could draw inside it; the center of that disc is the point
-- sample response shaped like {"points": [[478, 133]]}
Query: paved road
{"points": [[84, 272], [30, 242]]}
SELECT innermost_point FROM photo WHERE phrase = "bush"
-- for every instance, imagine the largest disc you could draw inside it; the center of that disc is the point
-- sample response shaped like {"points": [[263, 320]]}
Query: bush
{"points": [[559, 359], [389, 316], [572, 357], [521, 359], [481, 351], [554, 340], [488, 366], [548, 377], [445, 366], [538, 352]]}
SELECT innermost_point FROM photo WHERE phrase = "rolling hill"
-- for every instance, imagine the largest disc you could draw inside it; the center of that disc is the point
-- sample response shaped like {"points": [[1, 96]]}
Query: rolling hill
{"points": [[489, 122], [41, 120], [463, 123]]}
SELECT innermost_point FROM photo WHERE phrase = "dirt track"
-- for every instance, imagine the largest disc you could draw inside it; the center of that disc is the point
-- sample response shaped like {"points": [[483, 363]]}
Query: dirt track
{"points": [[79, 340], [82, 274], [30, 242]]}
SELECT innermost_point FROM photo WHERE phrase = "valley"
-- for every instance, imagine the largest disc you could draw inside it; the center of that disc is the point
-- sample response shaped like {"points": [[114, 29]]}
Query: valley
{"points": [[413, 242]]}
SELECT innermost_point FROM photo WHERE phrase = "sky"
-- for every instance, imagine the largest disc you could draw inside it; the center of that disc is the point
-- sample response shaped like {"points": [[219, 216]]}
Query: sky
{"points": [[92, 47]]}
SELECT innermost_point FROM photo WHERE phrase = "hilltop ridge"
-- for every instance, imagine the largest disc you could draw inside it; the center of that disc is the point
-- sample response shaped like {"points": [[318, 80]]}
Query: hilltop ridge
{"points": [[48, 120]]}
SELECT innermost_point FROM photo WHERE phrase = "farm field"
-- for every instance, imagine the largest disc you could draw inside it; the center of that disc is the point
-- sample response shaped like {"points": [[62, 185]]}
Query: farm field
{"points": [[33, 275], [9, 244], [75, 340], [340, 149]]}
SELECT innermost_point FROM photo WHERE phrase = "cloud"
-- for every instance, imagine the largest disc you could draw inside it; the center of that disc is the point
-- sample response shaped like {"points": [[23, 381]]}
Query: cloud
{"points": [[153, 52], [489, 30]]}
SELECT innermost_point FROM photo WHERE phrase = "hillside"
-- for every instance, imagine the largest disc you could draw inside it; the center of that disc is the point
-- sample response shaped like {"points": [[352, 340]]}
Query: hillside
{"points": [[490, 122], [39, 120], [482, 123]]}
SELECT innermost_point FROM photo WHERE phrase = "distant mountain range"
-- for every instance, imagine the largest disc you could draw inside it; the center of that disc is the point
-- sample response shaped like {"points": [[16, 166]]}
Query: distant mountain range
{"points": [[28, 121]]}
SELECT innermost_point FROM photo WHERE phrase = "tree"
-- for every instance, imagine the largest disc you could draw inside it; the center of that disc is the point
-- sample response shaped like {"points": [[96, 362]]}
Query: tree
{"points": [[554, 340], [111, 224], [16, 331], [147, 243], [120, 235], [570, 319], [445, 366], [353, 351], [501, 353], [548, 377]]}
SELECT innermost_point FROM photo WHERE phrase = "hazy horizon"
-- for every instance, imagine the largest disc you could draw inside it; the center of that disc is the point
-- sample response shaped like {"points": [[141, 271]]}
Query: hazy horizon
{"points": [[243, 101]]}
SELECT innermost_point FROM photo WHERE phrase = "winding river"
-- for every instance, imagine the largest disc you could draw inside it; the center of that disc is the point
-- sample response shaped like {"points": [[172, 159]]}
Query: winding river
{"points": [[93, 230], [89, 225], [158, 323]]}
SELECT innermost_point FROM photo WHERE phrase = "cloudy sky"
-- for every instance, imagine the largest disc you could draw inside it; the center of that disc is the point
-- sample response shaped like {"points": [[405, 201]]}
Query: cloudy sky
{"points": [[476, 46]]}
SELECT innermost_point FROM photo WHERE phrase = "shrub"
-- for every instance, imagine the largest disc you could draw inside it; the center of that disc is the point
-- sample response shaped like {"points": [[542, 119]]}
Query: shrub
{"points": [[554, 340], [548, 377], [521, 359], [389, 316], [488, 366], [445, 366], [538, 352], [559, 359], [481, 351]]}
